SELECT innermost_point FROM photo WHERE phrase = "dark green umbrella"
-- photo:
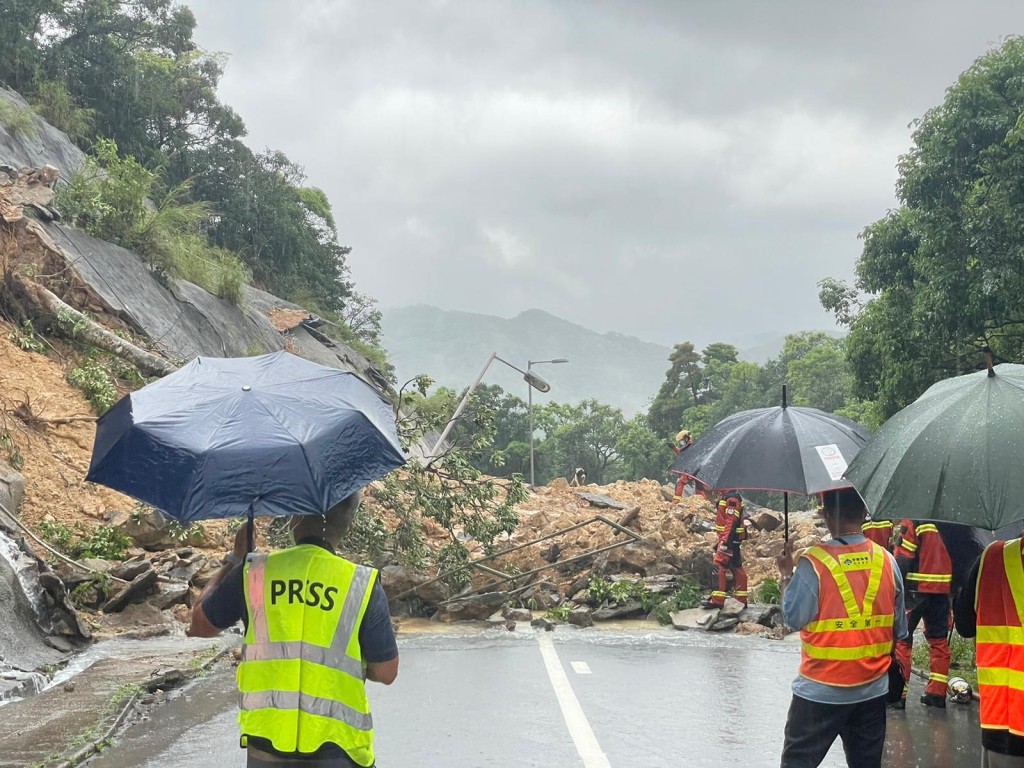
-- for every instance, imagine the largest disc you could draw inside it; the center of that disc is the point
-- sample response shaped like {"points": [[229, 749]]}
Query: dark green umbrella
{"points": [[954, 454]]}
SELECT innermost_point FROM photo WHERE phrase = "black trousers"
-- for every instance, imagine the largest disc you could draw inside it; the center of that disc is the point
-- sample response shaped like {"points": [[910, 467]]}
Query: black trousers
{"points": [[811, 728]]}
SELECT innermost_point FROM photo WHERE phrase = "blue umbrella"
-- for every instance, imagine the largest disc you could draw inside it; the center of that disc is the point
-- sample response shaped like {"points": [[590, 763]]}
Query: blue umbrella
{"points": [[226, 437]]}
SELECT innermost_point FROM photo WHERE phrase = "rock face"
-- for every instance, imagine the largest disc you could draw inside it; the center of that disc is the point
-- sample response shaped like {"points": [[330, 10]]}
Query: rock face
{"points": [[45, 145], [12, 488], [766, 521]]}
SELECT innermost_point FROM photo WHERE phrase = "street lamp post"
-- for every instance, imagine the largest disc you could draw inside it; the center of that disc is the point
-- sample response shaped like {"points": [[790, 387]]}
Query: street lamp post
{"points": [[532, 379], [529, 365]]}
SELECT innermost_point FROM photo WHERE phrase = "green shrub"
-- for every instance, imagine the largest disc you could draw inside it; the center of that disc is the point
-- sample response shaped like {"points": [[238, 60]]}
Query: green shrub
{"points": [[559, 612], [57, 534], [96, 383], [105, 541], [15, 458], [687, 596], [110, 198], [19, 121], [768, 592], [26, 338], [55, 104]]}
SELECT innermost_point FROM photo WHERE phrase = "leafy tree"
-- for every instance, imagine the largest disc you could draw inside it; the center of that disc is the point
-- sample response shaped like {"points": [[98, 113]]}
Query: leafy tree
{"points": [[942, 273], [642, 453], [584, 435], [677, 393], [448, 489]]}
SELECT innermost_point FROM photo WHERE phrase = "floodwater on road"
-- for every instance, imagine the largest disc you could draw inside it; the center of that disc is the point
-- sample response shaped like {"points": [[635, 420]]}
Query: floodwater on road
{"points": [[587, 698]]}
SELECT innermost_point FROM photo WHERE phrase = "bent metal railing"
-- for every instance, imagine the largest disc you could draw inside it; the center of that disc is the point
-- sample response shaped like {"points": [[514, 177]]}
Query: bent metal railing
{"points": [[503, 577]]}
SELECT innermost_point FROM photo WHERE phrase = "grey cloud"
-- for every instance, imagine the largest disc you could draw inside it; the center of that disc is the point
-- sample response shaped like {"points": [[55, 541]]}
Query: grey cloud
{"points": [[623, 165]]}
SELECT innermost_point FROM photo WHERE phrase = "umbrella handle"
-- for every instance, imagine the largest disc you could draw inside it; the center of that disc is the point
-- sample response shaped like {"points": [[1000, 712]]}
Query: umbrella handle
{"points": [[251, 545]]}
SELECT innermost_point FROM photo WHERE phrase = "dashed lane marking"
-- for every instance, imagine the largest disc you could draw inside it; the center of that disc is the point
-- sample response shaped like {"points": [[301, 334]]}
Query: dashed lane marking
{"points": [[580, 667], [582, 734]]}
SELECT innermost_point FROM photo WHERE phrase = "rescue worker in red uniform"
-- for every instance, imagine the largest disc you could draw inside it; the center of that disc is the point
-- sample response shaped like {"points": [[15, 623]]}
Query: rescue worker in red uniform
{"points": [[731, 529], [682, 442], [880, 532], [928, 574]]}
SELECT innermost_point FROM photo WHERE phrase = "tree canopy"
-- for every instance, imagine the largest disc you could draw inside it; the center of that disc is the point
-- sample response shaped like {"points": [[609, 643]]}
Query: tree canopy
{"points": [[128, 74], [940, 277]]}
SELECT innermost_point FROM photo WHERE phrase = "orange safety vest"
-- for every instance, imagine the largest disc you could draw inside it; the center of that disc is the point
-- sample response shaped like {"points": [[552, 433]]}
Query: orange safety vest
{"points": [[850, 640], [999, 603]]}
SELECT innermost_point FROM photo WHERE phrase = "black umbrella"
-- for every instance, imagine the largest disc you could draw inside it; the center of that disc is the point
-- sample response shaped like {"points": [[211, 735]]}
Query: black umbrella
{"points": [[785, 449]]}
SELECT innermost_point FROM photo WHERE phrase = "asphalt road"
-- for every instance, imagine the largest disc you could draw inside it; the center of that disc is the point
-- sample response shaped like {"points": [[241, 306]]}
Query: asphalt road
{"points": [[581, 698]]}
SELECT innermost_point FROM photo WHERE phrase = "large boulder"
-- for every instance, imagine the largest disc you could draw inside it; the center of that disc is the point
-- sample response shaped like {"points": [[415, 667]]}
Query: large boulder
{"points": [[693, 618], [765, 521], [638, 557], [12, 488], [470, 608], [136, 591], [400, 579], [627, 610]]}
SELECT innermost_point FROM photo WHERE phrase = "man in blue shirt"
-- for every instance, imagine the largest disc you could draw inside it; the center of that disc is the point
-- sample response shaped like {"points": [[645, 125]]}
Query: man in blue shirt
{"points": [[820, 712]]}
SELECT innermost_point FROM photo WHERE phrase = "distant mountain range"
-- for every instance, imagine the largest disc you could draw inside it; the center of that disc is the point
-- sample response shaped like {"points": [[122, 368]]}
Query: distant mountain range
{"points": [[451, 347]]}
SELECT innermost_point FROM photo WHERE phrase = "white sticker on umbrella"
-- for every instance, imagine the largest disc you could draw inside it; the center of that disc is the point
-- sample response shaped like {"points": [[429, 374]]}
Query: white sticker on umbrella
{"points": [[833, 460]]}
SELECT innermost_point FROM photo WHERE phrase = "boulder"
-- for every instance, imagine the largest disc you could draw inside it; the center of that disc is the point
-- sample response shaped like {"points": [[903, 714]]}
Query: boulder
{"points": [[397, 579], [130, 569], [627, 610], [542, 623], [693, 618], [517, 614], [12, 488], [186, 571], [668, 492], [581, 616], [766, 521], [169, 595], [559, 483], [750, 628], [733, 608], [632, 558], [722, 623], [471, 608], [134, 592], [542, 596]]}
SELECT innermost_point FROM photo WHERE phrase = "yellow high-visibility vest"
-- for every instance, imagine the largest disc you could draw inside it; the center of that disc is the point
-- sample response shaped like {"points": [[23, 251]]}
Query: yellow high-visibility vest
{"points": [[302, 678]]}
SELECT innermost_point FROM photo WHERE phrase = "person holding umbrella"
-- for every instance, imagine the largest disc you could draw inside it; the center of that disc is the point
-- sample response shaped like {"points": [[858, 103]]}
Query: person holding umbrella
{"points": [[846, 597], [316, 628]]}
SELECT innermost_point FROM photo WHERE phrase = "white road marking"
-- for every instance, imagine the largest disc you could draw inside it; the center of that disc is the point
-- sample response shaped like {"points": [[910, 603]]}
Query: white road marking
{"points": [[580, 667], [582, 734]]}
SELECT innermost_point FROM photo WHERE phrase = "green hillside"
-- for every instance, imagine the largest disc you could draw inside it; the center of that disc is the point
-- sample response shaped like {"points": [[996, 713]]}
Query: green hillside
{"points": [[451, 347]]}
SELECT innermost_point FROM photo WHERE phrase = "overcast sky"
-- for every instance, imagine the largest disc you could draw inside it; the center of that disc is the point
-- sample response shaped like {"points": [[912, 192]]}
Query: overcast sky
{"points": [[673, 170]]}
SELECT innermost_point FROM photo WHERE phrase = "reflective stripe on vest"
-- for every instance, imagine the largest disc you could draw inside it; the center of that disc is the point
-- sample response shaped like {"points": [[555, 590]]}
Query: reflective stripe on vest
{"points": [[1000, 641], [850, 641], [301, 678]]}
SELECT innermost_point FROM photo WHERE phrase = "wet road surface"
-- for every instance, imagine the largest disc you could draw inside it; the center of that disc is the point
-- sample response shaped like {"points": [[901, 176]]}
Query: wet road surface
{"points": [[589, 699]]}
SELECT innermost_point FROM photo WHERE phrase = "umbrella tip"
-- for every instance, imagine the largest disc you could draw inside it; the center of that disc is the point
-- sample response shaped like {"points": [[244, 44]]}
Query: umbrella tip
{"points": [[988, 362]]}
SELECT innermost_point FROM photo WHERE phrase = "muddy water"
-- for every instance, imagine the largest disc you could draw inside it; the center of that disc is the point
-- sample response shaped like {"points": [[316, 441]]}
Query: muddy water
{"points": [[651, 699]]}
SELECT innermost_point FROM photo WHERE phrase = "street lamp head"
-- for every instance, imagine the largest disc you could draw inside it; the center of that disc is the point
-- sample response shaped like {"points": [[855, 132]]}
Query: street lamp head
{"points": [[536, 382], [560, 360]]}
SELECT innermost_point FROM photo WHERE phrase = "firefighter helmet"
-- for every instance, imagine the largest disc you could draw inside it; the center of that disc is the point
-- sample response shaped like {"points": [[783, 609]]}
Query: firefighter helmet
{"points": [[959, 690]]}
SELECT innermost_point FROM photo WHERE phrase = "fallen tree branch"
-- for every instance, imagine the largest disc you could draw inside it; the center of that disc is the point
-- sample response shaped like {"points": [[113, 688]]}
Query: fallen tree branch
{"points": [[82, 327]]}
